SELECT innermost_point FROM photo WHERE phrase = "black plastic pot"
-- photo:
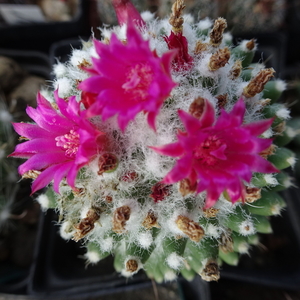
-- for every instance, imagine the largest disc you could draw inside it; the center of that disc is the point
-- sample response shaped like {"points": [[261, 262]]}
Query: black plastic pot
{"points": [[39, 36], [34, 62], [13, 277]]}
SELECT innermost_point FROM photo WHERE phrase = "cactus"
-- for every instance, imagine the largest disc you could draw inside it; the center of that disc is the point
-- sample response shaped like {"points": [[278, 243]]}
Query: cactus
{"points": [[159, 147], [8, 173], [253, 15]]}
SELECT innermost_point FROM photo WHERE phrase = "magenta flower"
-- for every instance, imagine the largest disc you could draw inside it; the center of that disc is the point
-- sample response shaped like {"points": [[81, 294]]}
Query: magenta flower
{"points": [[59, 144], [128, 78], [125, 10], [182, 60], [218, 155]]}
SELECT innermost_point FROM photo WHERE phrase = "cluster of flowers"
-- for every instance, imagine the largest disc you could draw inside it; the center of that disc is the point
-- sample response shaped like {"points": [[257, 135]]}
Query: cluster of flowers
{"points": [[152, 139]]}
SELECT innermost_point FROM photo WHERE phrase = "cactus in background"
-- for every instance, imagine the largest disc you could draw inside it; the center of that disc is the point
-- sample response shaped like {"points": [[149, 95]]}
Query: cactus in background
{"points": [[8, 173], [255, 15], [159, 142]]}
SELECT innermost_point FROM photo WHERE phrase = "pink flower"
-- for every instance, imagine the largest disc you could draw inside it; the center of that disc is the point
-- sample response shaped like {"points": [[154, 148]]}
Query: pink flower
{"points": [[218, 155], [59, 144], [125, 10], [182, 60], [128, 78]]}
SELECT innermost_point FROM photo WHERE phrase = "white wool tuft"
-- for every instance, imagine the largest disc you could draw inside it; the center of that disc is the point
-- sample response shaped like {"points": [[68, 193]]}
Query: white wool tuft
{"points": [[107, 244], [205, 24], [78, 57], [268, 133], [188, 19], [292, 161], [175, 261], [270, 179], [43, 200], [92, 257], [64, 86], [145, 239], [280, 85], [246, 228], [147, 16], [66, 230], [283, 113], [60, 70], [170, 275]]}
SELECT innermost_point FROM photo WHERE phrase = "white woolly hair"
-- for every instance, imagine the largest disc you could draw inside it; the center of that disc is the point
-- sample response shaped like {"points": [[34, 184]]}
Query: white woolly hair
{"points": [[66, 230], [147, 16], [79, 56], [283, 113], [270, 179], [145, 239], [247, 227], [170, 275], [92, 257], [64, 86], [280, 85], [43, 200], [205, 24], [175, 261], [60, 70]]}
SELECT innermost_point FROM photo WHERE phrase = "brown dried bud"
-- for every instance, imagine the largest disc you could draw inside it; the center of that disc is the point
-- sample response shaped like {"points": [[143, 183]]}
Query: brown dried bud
{"points": [[160, 191], [222, 101], [121, 215], [196, 108], [210, 212], [211, 271], [280, 128], [87, 224], [150, 220], [192, 229], [176, 20], [200, 47], [219, 59], [185, 187], [236, 70], [226, 243], [84, 64], [31, 174], [216, 34], [251, 44], [107, 162], [257, 84], [131, 265], [252, 194], [269, 151]]}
